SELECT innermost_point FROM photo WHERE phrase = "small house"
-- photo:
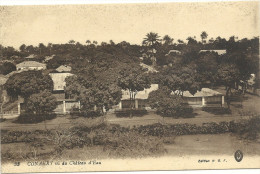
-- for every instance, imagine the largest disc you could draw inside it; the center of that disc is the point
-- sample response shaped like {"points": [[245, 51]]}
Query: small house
{"points": [[63, 68], [64, 104], [30, 65], [206, 97], [140, 101], [30, 57], [177, 52], [219, 52]]}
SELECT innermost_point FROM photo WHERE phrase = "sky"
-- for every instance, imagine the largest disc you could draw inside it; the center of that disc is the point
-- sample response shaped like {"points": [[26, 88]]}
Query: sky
{"points": [[32, 25]]}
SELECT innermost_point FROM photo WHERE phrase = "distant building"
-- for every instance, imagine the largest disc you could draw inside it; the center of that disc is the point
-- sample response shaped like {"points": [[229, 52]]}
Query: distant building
{"points": [[248, 86], [47, 58], [148, 68], [140, 98], [64, 104], [30, 65], [63, 68], [30, 57], [204, 98], [219, 52], [173, 52]]}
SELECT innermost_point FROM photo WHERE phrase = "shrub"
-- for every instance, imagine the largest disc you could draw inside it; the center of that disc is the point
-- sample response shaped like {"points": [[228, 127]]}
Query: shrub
{"points": [[41, 103], [169, 105], [34, 118], [247, 129], [128, 112], [217, 110], [132, 144], [86, 114]]}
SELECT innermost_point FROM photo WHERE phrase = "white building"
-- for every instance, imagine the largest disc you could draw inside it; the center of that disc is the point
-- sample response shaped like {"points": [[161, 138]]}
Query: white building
{"points": [[30, 65], [205, 97], [140, 98], [219, 52]]}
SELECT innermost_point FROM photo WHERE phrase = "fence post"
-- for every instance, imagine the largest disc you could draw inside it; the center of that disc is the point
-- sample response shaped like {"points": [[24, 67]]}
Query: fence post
{"points": [[19, 108], [64, 107], [203, 101]]}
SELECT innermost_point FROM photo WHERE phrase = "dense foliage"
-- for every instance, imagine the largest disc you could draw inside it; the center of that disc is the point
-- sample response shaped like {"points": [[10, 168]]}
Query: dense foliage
{"points": [[41, 103], [7, 67], [27, 83], [168, 104]]}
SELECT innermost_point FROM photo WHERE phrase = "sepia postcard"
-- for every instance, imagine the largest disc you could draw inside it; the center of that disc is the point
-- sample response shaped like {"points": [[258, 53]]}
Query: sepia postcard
{"points": [[129, 86]]}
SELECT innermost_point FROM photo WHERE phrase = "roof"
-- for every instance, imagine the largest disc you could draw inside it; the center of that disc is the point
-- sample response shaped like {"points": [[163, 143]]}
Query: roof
{"points": [[30, 56], [149, 68], [30, 64], [141, 94], [59, 80], [219, 52], [3, 79], [64, 68], [173, 51], [47, 58], [204, 92]]}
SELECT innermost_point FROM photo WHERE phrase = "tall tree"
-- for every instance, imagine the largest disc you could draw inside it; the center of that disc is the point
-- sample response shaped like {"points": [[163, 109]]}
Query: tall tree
{"points": [[203, 36], [228, 75], [7, 67], [22, 47], [133, 79], [27, 83], [151, 39], [167, 40], [72, 42], [88, 42], [41, 103], [92, 93], [180, 79], [41, 47], [50, 45]]}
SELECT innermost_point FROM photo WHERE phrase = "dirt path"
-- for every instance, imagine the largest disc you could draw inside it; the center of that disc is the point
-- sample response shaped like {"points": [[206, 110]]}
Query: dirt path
{"points": [[212, 144]]}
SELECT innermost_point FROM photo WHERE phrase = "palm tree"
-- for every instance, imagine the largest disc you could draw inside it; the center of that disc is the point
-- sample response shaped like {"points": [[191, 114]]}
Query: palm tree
{"points": [[72, 42], [95, 42], [151, 39], [167, 40], [88, 42], [112, 42]]}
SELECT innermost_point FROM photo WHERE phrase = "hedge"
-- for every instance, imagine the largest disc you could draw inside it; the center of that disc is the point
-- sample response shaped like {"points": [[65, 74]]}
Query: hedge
{"points": [[35, 118]]}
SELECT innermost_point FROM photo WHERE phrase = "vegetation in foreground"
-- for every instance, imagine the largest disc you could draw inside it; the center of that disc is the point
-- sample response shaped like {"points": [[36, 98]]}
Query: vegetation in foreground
{"points": [[112, 140]]}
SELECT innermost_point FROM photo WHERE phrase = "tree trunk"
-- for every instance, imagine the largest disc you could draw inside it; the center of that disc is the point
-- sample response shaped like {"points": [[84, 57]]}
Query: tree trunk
{"points": [[131, 103], [227, 97], [2, 114]]}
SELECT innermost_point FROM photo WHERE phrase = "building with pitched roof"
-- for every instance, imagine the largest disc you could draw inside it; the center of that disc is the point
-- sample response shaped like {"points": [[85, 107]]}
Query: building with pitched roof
{"points": [[206, 97], [219, 52], [59, 84], [63, 68], [140, 98], [30, 65]]}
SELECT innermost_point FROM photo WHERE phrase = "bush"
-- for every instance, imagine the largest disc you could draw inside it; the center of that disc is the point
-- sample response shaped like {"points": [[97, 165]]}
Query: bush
{"points": [[128, 112], [132, 144], [217, 110], [34, 118], [86, 114], [247, 129], [169, 105]]}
